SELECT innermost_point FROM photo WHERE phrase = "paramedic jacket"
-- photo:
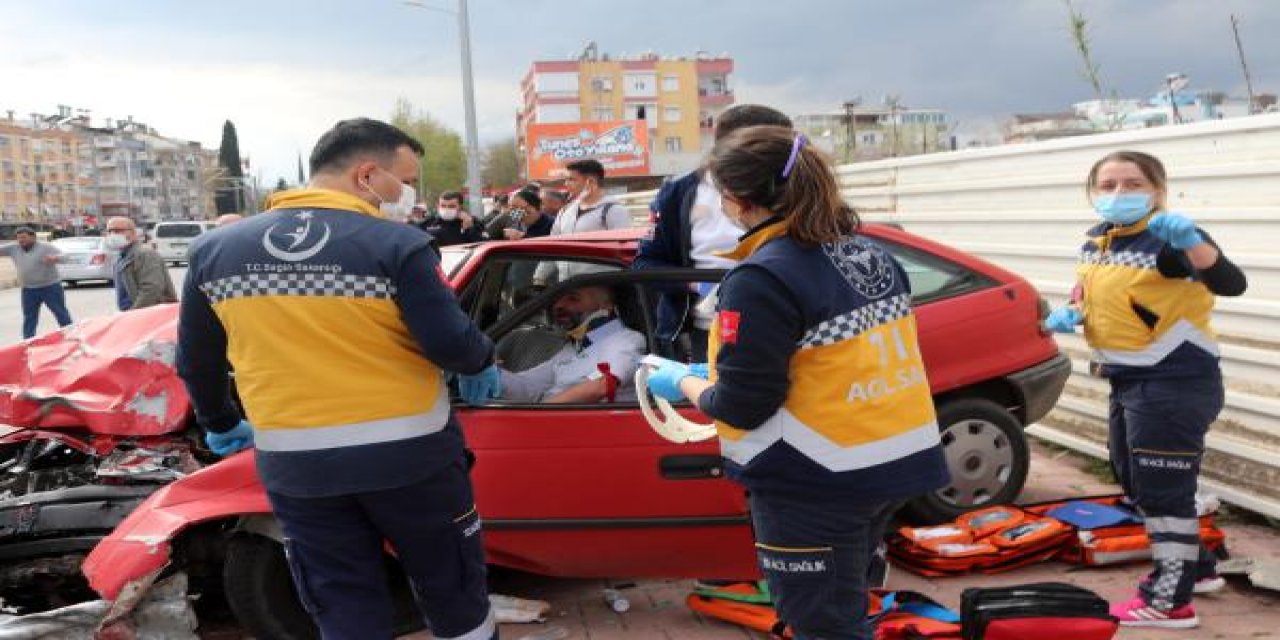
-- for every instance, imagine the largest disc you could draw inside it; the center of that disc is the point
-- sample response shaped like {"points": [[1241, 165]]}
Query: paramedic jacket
{"points": [[338, 324], [667, 246], [1146, 309], [820, 390]]}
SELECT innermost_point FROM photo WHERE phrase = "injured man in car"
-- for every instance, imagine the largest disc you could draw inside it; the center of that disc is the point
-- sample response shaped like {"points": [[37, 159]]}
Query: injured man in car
{"points": [[598, 363]]}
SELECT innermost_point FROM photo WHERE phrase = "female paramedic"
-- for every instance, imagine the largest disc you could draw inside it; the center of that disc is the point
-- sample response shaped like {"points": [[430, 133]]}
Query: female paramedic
{"points": [[1146, 285], [816, 381]]}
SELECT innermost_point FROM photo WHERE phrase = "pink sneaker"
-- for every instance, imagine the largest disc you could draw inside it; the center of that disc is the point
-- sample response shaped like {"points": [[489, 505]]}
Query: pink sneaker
{"points": [[1137, 613]]}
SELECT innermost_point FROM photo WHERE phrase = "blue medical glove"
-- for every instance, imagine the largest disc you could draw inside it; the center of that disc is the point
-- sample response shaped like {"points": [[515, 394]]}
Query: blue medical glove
{"points": [[479, 388], [1063, 320], [700, 369], [665, 382], [229, 442], [1176, 229]]}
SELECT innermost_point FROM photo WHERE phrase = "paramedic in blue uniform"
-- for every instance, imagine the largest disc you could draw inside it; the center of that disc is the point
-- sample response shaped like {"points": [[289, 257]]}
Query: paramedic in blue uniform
{"points": [[816, 381], [339, 326], [1147, 281]]}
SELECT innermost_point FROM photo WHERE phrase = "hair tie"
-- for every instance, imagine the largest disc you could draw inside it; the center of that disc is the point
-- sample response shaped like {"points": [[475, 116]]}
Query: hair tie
{"points": [[796, 146]]}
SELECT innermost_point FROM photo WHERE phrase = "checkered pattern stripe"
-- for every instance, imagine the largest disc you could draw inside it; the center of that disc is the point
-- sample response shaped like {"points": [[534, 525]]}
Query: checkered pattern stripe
{"points": [[1135, 259], [298, 284], [856, 322]]}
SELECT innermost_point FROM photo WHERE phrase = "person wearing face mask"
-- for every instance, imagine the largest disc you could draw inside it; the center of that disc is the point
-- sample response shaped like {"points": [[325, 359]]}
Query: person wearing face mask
{"points": [[816, 381], [1146, 286], [528, 219], [588, 210], [340, 326], [451, 224], [37, 266], [597, 365], [141, 278]]}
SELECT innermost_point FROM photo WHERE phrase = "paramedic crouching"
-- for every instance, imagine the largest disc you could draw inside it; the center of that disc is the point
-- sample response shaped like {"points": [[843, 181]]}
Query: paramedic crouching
{"points": [[810, 326]]}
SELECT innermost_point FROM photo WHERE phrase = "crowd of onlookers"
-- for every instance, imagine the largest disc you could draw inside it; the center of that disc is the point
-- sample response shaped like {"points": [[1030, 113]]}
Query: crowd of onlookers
{"points": [[531, 211]]}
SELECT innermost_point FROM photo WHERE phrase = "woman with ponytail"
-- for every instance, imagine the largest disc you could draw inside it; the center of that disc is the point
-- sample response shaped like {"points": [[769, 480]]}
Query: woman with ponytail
{"points": [[815, 381]]}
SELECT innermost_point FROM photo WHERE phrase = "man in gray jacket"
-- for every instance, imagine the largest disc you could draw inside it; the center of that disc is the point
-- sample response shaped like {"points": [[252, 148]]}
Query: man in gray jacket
{"points": [[141, 278], [37, 266]]}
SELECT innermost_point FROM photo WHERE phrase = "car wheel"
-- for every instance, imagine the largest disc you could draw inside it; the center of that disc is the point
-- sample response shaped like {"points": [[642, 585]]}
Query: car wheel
{"points": [[987, 455], [259, 589]]}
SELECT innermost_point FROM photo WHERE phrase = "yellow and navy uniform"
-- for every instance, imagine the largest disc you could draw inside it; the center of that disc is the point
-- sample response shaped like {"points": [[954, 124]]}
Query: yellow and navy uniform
{"points": [[338, 324], [820, 388], [1146, 310]]}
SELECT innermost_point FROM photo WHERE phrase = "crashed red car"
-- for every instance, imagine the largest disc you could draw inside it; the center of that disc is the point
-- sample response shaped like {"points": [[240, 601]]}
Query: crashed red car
{"points": [[101, 430]]}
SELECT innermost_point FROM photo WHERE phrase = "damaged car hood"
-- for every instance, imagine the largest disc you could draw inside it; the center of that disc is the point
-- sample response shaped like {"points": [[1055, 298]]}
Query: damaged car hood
{"points": [[113, 375]]}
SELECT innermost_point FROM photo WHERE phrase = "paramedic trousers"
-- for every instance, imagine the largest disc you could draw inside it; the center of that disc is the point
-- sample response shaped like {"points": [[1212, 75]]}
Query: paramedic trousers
{"points": [[816, 555], [335, 551], [1157, 431]]}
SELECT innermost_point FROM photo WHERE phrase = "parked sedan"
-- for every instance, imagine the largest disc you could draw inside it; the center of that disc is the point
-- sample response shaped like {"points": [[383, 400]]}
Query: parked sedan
{"points": [[85, 258]]}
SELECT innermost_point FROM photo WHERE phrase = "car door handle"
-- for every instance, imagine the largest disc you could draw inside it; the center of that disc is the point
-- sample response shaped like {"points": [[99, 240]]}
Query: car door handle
{"points": [[691, 467]]}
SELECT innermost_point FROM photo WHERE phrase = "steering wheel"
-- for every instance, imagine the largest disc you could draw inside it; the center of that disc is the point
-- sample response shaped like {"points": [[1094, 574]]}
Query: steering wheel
{"points": [[663, 418]]}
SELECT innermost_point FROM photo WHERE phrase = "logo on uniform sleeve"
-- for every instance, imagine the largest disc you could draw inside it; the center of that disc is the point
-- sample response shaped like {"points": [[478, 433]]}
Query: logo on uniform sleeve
{"points": [[729, 326], [302, 242]]}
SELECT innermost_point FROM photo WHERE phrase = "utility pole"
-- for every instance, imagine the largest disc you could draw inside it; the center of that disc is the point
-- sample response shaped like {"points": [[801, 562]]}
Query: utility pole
{"points": [[851, 129], [476, 202], [1244, 66]]}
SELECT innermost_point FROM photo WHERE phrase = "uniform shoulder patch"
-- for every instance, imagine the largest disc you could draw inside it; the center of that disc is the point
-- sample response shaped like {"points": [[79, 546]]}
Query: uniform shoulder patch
{"points": [[865, 266], [729, 326]]}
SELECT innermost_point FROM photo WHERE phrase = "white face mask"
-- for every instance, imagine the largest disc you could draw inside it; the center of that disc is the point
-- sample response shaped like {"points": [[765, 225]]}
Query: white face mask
{"points": [[402, 207], [116, 241], [447, 213]]}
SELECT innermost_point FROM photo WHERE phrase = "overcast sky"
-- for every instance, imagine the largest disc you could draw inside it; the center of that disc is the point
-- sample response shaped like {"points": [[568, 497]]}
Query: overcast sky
{"points": [[284, 73]]}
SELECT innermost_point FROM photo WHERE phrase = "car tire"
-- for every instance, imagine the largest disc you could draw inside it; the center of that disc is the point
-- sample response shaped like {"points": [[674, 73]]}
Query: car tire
{"points": [[987, 454], [259, 589]]}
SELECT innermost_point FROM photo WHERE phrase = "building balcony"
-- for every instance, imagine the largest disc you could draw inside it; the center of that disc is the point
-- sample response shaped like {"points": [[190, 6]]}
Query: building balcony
{"points": [[715, 98]]}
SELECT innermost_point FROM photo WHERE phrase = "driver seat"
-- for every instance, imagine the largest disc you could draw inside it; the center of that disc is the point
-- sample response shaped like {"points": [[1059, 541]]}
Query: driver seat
{"points": [[527, 347]]}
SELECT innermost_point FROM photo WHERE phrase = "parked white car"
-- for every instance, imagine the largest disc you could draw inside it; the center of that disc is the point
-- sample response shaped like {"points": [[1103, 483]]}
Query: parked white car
{"points": [[85, 258], [172, 240]]}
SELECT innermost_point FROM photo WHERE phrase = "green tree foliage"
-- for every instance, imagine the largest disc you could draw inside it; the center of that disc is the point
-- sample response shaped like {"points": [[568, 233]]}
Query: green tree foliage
{"points": [[229, 195], [281, 185], [444, 167], [502, 165]]}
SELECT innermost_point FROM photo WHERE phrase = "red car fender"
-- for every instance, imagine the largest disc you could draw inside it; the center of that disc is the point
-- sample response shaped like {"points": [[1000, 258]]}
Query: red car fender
{"points": [[124, 564]]}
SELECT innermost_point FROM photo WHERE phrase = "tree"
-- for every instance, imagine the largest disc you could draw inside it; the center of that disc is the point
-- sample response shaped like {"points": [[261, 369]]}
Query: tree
{"points": [[1091, 70], [444, 167], [502, 164], [281, 185], [229, 197]]}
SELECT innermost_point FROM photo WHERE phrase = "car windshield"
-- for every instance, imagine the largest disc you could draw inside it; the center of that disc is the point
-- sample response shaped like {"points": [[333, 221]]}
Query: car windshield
{"points": [[78, 244], [189, 230]]}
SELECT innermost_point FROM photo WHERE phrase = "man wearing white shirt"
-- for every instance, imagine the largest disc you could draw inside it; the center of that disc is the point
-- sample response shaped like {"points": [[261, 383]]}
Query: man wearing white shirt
{"points": [[588, 210]]}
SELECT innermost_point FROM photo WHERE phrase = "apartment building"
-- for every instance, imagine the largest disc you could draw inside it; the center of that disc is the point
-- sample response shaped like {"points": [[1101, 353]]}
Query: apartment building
{"points": [[60, 169], [860, 133], [675, 97]]}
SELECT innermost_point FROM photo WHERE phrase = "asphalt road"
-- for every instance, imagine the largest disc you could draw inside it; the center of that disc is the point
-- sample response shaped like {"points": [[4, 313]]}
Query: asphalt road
{"points": [[85, 301]]}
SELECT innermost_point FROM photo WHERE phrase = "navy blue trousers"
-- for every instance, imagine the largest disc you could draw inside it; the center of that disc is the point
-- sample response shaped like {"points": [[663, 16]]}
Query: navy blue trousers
{"points": [[335, 550], [816, 555], [1157, 430], [51, 296]]}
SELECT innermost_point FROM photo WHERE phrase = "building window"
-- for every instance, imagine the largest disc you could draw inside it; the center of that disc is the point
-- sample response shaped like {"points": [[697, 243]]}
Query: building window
{"points": [[869, 139], [603, 84], [601, 114], [674, 145], [671, 114], [670, 83]]}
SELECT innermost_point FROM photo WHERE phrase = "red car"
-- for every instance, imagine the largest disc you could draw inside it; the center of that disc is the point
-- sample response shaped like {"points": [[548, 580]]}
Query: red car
{"points": [[591, 490]]}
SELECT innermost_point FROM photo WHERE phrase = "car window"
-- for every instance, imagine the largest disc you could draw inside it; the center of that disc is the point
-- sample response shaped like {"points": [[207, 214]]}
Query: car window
{"points": [[933, 277], [77, 244], [508, 282], [180, 230], [536, 333]]}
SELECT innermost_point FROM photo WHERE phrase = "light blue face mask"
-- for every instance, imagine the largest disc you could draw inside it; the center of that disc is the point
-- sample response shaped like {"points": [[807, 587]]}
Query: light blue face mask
{"points": [[1124, 208]]}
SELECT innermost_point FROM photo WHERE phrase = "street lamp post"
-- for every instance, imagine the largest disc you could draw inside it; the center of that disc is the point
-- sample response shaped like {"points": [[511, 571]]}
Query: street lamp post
{"points": [[475, 202]]}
